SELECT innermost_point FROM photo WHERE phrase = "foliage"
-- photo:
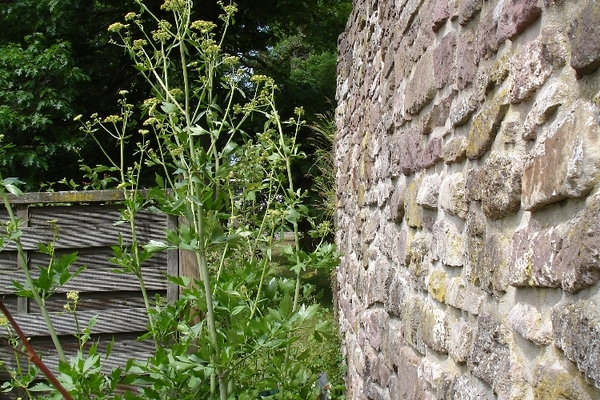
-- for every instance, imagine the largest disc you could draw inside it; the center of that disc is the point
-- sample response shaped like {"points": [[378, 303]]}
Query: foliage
{"points": [[236, 331], [56, 62]]}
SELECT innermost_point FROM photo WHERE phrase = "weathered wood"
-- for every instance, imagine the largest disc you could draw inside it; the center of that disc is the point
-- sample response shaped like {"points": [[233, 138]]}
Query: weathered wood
{"points": [[89, 227], [109, 321]]}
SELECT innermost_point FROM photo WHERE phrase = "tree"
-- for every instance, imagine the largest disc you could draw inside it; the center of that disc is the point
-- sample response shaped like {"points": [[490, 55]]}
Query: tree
{"points": [[56, 61]]}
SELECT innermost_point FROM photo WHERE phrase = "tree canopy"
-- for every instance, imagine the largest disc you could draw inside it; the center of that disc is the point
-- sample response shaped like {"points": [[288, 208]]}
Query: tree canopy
{"points": [[57, 61]]}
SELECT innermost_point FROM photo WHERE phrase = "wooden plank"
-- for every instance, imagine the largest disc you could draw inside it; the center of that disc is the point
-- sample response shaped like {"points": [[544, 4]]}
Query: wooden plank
{"points": [[66, 216], [86, 196], [22, 213], [109, 321], [125, 347], [98, 301], [83, 236]]}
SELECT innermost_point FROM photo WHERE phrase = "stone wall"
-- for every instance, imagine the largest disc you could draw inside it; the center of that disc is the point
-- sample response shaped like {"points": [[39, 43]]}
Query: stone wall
{"points": [[468, 160]]}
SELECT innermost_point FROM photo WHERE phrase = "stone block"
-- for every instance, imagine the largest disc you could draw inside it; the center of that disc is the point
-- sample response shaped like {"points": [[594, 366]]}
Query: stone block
{"points": [[428, 193], [567, 162], [417, 260], [527, 321], [413, 213], [461, 112], [397, 200], [448, 245], [486, 38], [552, 381], [432, 153], [530, 68], [452, 195], [411, 151], [585, 53], [444, 65], [466, 67], [395, 294], [473, 183], [463, 296], [412, 322], [375, 322], [545, 105], [490, 264], [434, 328], [437, 116], [576, 329], [408, 385], [466, 388], [439, 381], [460, 340], [484, 127], [501, 186], [515, 16], [437, 285], [493, 360], [421, 89], [455, 150], [467, 9], [440, 14]]}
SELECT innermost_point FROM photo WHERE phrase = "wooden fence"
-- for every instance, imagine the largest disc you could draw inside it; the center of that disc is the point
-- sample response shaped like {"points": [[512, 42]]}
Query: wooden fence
{"points": [[86, 222]]}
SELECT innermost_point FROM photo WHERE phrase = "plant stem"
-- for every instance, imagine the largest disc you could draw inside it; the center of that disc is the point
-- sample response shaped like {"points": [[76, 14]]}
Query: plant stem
{"points": [[34, 290], [32, 355]]}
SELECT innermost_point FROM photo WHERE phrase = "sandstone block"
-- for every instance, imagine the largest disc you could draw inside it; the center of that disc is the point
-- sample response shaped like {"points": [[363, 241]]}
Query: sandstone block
{"points": [[397, 200], [432, 153], [428, 193], [546, 103], [493, 360], [576, 330], [437, 284], [455, 150], [466, 67], [409, 385], [413, 213], [527, 321], [417, 260], [437, 116], [466, 388], [448, 244], [421, 89], [484, 128], [567, 162], [490, 263], [460, 340], [434, 328], [516, 16], [552, 381], [501, 186], [438, 379], [375, 322], [412, 322], [467, 9], [530, 68], [473, 183], [440, 14], [444, 66], [486, 38], [464, 296], [411, 151], [461, 112], [452, 195], [585, 53]]}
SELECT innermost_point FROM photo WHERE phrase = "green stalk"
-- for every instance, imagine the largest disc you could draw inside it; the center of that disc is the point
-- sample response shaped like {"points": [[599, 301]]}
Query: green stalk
{"points": [[29, 280]]}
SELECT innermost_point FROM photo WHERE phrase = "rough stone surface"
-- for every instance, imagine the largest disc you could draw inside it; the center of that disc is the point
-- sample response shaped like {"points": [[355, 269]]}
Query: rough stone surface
{"points": [[585, 56], [468, 199], [501, 187], [484, 128], [516, 16], [571, 150], [493, 360], [577, 333]]}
